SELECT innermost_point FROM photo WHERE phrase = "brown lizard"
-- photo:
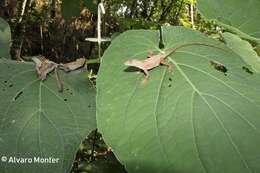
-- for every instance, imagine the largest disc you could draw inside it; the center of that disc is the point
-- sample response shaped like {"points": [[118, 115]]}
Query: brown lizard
{"points": [[155, 60]]}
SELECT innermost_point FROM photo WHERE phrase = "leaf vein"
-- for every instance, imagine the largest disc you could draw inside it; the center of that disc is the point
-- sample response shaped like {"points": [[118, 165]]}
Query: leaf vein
{"points": [[194, 134]]}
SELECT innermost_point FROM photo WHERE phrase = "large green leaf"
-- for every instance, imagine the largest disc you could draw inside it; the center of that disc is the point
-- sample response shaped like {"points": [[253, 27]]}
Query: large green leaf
{"points": [[70, 9], [38, 121], [244, 49], [196, 119], [92, 5], [238, 16], [5, 39]]}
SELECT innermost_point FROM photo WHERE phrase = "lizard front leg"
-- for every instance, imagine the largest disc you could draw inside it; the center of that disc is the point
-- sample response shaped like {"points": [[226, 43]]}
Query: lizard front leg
{"points": [[146, 76]]}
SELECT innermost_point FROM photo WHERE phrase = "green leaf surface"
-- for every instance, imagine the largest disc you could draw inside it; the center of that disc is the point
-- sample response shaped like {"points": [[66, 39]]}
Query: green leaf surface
{"points": [[37, 121], [244, 49], [237, 16], [70, 9], [91, 5], [5, 39], [194, 120]]}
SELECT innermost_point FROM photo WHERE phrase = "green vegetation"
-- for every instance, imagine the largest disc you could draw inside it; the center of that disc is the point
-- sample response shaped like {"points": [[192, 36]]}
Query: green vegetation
{"points": [[71, 105]]}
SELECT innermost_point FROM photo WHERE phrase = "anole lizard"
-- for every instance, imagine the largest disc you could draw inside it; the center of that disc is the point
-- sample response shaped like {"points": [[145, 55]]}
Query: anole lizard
{"points": [[155, 60]]}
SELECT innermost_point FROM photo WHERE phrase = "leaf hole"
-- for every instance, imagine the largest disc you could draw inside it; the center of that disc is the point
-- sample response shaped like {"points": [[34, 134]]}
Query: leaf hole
{"points": [[170, 79], [11, 85], [17, 95], [170, 85], [247, 70], [65, 100], [219, 67], [5, 81]]}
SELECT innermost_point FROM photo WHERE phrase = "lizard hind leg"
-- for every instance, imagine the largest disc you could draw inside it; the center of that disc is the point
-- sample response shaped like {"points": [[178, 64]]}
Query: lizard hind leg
{"points": [[146, 76], [169, 65]]}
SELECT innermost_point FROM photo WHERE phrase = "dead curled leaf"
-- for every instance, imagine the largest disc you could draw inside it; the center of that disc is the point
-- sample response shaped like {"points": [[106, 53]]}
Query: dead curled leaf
{"points": [[73, 65], [44, 66]]}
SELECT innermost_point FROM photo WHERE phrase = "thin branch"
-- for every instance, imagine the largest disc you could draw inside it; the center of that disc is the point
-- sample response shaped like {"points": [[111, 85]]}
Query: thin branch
{"points": [[22, 11], [133, 9], [93, 61], [192, 15], [162, 3], [179, 11], [144, 12], [53, 9], [166, 9], [152, 9], [93, 145]]}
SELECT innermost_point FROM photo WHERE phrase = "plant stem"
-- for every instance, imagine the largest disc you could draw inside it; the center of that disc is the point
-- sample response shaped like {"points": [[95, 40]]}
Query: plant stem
{"points": [[93, 61]]}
